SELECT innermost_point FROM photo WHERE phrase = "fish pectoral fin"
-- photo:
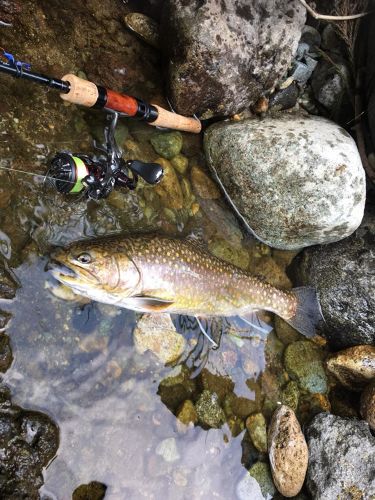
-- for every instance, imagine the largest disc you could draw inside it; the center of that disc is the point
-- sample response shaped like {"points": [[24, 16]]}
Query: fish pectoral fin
{"points": [[149, 304]]}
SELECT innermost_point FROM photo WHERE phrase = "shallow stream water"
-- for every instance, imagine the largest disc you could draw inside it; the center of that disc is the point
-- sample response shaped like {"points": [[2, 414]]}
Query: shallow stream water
{"points": [[116, 408]]}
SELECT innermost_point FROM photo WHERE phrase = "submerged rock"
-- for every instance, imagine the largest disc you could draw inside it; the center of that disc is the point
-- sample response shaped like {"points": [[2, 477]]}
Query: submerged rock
{"points": [[8, 286], [28, 441], [203, 186], [287, 451], [91, 491], [209, 411], [187, 414], [169, 189], [295, 181], [261, 472], [304, 363], [341, 458], [222, 56], [144, 27], [354, 367], [256, 425], [157, 333], [344, 275], [368, 405], [167, 144]]}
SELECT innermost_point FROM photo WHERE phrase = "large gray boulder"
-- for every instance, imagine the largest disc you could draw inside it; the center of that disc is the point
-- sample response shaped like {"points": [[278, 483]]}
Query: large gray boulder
{"points": [[344, 275], [341, 458], [221, 56], [294, 180]]}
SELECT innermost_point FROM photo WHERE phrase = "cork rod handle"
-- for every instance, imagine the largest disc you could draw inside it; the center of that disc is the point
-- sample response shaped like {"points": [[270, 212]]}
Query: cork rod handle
{"points": [[178, 122]]}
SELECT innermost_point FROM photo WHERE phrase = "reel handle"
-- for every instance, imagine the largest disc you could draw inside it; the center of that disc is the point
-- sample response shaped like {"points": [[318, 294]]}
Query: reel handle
{"points": [[152, 173]]}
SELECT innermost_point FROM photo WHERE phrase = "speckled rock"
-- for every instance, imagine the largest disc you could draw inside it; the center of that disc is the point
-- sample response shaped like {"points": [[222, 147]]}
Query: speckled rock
{"points": [[169, 189], [167, 144], [144, 27], [157, 333], [295, 181], [290, 395], [209, 411], [8, 286], [256, 425], [353, 367], [288, 452], [304, 363], [286, 333], [262, 473], [344, 275], [368, 405], [222, 56], [341, 458]]}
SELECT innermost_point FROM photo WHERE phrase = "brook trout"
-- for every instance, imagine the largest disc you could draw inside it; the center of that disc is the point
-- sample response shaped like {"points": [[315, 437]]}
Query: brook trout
{"points": [[163, 274]]}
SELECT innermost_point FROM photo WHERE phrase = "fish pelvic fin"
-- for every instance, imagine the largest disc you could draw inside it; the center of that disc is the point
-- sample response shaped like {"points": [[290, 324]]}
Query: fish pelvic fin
{"points": [[147, 304], [308, 312]]}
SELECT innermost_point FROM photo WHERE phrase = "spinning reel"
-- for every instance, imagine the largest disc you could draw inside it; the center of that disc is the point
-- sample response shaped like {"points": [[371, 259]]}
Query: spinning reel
{"points": [[97, 176]]}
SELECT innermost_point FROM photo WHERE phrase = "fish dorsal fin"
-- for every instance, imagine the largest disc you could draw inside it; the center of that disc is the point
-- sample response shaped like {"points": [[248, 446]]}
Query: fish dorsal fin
{"points": [[148, 304]]}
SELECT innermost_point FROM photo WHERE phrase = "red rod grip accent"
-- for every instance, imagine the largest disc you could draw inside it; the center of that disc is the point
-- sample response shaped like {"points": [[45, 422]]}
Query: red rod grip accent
{"points": [[121, 103]]}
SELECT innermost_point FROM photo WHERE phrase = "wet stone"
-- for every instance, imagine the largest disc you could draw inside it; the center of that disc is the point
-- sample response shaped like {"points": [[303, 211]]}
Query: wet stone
{"points": [[8, 287], [341, 458], [187, 413], [262, 473], [167, 144], [344, 403], [304, 363], [368, 405], [354, 367], [290, 395], [144, 27], [209, 411], [273, 273], [288, 452], [234, 255], [256, 425], [167, 449], [169, 189], [203, 186], [286, 333], [284, 98], [157, 333], [91, 491], [6, 356], [180, 163]]}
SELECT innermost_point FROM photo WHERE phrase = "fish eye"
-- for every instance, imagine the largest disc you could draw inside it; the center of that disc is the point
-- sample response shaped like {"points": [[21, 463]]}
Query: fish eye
{"points": [[84, 258]]}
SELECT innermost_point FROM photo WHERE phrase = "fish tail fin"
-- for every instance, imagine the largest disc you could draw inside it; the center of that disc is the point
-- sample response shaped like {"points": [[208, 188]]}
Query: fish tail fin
{"points": [[308, 312]]}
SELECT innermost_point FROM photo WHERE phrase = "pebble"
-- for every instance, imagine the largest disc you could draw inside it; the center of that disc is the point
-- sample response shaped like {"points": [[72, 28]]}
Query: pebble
{"points": [[354, 367], [180, 163], [288, 452], [169, 189], [187, 413], [144, 27], [209, 411], [167, 144], [368, 405], [304, 363], [157, 333], [168, 450], [203, 185], [290, 395], [261, 472], [256, 425]]}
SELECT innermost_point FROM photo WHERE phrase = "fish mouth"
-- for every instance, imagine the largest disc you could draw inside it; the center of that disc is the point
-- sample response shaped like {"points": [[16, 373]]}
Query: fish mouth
{"points": [[61, 272]]}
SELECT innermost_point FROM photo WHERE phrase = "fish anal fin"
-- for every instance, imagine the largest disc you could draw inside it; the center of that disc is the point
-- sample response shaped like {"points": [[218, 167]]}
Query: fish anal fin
{"points": [[258, 327]]}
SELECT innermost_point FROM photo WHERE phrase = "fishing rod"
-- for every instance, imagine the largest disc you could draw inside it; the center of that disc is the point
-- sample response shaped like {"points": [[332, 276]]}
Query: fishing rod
{"points": [[96, 175]]}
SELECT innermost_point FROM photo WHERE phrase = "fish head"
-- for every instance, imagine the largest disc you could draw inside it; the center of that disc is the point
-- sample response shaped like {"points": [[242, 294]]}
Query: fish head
{"points": [[97, 270]]}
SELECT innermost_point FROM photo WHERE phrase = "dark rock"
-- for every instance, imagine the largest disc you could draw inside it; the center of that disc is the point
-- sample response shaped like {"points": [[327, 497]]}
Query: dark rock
{"points": [[9, 9], [344, 275], [8, 286], [341, 458], [28, 441], [92, 491], [6, 356], [222, 56], [294, 180], [368, 404], [284, 98]]}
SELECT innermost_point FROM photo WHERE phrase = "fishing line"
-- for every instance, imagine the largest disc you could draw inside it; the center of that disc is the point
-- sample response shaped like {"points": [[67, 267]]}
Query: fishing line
{"points": [[32, 174]]}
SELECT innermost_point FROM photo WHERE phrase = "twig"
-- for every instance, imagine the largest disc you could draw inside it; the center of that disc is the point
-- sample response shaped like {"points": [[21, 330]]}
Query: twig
{"points": [[332, 18]]}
